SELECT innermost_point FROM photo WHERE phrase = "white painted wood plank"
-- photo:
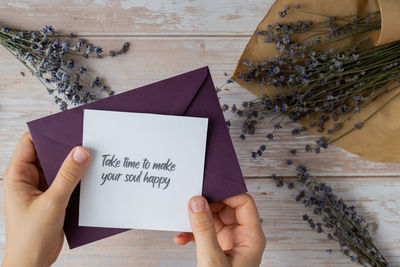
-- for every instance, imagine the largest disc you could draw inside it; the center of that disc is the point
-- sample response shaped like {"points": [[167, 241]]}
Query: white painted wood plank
{"points": [[152, 59], [290, 241], [133, 17]]}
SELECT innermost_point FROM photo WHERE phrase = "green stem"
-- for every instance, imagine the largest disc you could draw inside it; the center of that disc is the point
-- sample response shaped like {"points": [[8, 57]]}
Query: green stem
{"points": [[366, 119]]}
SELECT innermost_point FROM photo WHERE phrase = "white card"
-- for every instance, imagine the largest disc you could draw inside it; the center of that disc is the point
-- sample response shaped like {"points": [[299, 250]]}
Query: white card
{"points": [[161, 166]]}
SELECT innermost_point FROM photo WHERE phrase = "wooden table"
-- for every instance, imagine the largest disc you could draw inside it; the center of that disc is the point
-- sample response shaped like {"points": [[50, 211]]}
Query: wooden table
{"points": [[168, 38]]}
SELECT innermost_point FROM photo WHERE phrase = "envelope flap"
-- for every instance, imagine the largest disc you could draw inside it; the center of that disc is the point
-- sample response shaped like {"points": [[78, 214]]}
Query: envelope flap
{"points": [[171, 96], [222, 177], [53, 141], [217, 187]]}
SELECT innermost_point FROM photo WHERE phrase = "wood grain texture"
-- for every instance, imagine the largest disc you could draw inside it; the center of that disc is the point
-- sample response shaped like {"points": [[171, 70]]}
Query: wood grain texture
{"points": [[139, 17], [290, 241], [169, 37], [152, 59]]}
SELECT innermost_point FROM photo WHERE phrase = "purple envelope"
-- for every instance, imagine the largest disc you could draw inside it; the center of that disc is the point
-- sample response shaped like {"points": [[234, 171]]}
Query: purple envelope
{"points": [[189, 94]]}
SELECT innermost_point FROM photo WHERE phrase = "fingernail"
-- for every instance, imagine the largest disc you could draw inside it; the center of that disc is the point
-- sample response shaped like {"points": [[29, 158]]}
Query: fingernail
{"points": [[197, 204], [80, 155]]}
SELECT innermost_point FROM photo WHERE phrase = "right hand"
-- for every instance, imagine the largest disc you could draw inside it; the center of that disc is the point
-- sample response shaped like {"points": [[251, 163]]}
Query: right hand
{"points": [[227, 233]]}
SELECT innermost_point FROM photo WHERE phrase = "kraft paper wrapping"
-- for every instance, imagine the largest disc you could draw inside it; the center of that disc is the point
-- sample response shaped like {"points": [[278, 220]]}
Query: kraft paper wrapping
{"points": [[379, 139]]}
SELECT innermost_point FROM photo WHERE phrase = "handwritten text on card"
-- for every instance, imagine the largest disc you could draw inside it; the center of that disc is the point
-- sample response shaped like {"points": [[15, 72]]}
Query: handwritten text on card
{"points": [[149, 167]]}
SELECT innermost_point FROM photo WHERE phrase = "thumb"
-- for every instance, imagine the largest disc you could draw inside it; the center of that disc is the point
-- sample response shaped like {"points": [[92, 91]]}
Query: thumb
{"points": [[68, 176], [201, 220]]}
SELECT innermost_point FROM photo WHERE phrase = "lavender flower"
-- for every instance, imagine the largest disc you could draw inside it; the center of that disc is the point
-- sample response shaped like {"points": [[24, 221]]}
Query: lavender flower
{"points": [[47, 58], [335, 219]]}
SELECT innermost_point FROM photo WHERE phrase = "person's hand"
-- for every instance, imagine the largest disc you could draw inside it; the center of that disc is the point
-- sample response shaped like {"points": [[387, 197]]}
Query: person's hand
{"points": [[227, 233], [35, 219]]}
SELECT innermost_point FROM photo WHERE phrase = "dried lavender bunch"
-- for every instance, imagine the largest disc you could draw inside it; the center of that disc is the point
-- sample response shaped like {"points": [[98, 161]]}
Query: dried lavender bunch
{"points": [[336, 220], [319, 83], [51, 60], [322, 84]]}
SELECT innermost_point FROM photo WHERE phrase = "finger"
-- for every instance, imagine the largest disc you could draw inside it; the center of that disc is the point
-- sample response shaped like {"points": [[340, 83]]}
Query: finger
{"points": [[245, 209], [25, 151], [42, 181], [203, 229], [68, 176], [227, 215], [22, 165], [219, 225], [217, 206], [183, 238], [38, 164], [248, 220]]}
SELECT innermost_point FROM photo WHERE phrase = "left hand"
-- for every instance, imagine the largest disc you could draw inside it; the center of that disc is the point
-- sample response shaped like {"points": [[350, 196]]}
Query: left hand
{"points": [[34, 217]]}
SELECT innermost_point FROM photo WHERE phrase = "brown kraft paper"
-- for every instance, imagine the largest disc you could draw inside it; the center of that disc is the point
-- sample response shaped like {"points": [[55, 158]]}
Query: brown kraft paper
{"points": [[379, 139]]}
